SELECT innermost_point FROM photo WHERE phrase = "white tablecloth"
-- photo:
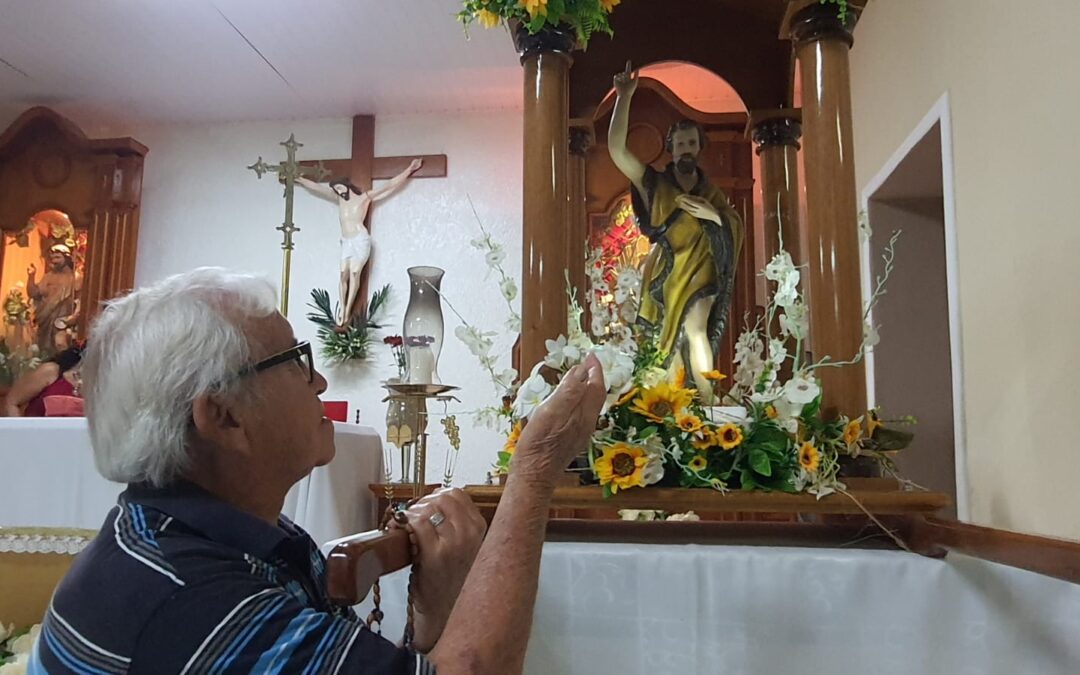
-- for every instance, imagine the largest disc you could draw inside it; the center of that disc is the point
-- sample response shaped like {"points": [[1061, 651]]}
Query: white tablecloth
{"points": [[47, 479], [686, 610]]}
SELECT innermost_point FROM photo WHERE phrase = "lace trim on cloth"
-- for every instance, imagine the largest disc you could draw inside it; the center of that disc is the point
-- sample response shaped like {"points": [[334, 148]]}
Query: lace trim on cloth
{"points": [[67, 541]]}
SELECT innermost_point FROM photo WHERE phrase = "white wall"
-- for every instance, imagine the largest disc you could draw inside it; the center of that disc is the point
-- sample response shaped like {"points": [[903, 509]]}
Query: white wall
{"points": [[201, 206], [1011, 80]]}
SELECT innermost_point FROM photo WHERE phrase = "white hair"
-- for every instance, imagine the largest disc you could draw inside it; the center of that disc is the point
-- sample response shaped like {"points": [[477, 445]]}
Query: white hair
{"points": [[151, 353]]}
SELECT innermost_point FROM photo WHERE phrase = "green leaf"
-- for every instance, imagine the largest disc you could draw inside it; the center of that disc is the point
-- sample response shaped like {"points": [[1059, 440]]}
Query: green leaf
{"points": [[760, 462], [812, 410], [647, 432], [504, 457], [608, 494]]}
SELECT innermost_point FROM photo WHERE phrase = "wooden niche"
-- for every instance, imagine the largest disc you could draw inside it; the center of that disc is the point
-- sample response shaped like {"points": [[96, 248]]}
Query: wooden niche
{"points": [[69, 207]]}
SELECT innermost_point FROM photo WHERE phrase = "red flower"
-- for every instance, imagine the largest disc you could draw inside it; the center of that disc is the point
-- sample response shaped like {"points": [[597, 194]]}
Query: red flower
{"points": [[393, 340]]}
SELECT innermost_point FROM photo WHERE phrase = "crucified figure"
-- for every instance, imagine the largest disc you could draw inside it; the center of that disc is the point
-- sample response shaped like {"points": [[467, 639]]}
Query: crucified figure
{"points": [[353, 206]]}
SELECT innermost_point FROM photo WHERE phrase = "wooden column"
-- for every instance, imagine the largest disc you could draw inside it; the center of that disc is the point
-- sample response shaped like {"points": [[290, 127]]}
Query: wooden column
{"points": [[822, 43], [776, 135], [546, 60], [577, 216]]}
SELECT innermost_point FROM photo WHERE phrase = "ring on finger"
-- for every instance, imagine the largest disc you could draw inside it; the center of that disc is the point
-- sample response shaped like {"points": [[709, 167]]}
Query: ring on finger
{"points": [[437, 518]]}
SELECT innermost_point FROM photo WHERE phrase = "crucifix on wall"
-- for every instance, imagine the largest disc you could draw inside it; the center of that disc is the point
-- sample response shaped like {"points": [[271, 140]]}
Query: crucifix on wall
{"points": [[357, 174]]}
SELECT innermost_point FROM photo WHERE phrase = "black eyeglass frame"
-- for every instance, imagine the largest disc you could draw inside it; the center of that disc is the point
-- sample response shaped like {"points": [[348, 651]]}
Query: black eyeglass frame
{"points": [[300, 352]]}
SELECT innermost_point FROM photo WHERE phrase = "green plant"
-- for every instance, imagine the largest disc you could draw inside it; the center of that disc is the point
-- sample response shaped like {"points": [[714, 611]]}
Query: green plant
{"points": [[585, 17], [353, 341]]}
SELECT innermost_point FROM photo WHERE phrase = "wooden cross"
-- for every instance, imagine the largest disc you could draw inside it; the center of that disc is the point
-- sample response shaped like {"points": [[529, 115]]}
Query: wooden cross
{"points": [[363, 168], [287, 172]]}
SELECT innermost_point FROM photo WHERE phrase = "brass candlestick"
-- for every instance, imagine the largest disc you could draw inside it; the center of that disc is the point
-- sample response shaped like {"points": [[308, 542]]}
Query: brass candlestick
{"points": [[414, 398]]}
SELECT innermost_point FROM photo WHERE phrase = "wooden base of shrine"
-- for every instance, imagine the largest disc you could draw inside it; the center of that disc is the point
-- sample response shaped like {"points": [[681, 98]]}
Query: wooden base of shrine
{"points": [[878, 496]]}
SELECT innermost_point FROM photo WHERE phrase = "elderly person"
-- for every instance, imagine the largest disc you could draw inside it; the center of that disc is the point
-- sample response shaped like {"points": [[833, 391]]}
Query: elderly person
{"points": [[201, 400]]}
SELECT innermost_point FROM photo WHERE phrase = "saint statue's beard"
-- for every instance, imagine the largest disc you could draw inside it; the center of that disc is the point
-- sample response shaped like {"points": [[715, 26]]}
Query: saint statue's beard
{"points": [[686, 164]]}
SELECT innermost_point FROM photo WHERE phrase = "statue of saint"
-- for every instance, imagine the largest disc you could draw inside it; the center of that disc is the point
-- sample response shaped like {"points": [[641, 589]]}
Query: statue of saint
{"points": [[689, 276], [54, 298], [353, 206]]}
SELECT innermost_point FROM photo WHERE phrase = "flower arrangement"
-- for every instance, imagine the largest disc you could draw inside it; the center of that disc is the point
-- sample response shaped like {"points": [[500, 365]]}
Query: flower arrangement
{"points": [[353, 341], [397, 347], [15, 646], [585, 17], [16, 361]]}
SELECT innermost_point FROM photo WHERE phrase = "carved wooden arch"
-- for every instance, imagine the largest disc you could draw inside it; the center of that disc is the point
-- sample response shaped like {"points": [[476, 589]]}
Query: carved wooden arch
{"points": [[739, 40], [47, 162]]}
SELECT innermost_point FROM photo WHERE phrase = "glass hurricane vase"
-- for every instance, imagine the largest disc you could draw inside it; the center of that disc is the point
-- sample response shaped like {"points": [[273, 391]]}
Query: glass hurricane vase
{"points": [[423, 324]]}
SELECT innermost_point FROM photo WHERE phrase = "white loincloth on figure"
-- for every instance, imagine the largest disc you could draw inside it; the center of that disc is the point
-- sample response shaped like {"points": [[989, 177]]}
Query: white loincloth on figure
{"points": [[357, 249]]}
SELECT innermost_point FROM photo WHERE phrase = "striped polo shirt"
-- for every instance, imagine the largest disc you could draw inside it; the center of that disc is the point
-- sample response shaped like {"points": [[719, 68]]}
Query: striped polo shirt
{"points": [[178, 581]]}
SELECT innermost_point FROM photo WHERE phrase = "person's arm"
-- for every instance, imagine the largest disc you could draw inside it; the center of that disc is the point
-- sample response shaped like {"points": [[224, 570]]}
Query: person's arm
{"points": [[32, 290], [395, 182], [633, 168], [318, 189], [28, 386], [488, 629]]}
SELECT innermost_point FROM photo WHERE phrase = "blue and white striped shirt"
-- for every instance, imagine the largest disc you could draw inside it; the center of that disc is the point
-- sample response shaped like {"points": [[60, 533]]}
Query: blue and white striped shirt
{"points": [[178, 581]]}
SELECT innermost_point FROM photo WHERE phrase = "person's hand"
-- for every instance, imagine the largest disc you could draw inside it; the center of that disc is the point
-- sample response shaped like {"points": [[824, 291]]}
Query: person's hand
{"points": [[448, 529], [560, 427], [698, 208], [415, 165], [31, 271], [626, 82]]}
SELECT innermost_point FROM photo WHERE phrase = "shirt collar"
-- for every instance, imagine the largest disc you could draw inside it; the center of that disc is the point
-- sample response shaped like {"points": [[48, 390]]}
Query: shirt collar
{"points": [[198, 509]]}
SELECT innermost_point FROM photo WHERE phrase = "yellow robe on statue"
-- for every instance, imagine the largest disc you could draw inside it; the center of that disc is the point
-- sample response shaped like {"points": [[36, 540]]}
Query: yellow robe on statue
{"points": [[690, 259]]}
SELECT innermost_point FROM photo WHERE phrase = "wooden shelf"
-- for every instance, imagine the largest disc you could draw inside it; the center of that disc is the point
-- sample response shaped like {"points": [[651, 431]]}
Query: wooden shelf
{"points": [[877, 495]]}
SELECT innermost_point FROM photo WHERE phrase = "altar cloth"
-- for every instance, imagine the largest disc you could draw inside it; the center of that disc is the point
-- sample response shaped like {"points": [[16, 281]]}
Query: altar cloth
{"points": [[742, 610], [48, 480]]}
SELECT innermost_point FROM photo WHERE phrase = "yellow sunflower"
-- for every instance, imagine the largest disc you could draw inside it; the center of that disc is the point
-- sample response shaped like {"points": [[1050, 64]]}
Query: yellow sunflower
{"points": [[621, 466], [662, 401], [714, 376], [534, 7], [770, 412], [609, 5], [872, 423], [704, 439], [809, 457], [852, 431], [512, 439], [688, 422], [627, 397], [487, 18], [698, 463], [729, 436]]}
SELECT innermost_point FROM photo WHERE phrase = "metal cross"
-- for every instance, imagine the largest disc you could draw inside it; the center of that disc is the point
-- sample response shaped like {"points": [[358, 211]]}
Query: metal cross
{"points": [[287, 172]]}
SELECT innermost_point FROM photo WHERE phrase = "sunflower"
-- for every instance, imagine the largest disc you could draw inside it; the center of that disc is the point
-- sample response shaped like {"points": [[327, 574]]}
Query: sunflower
{"points": [[487, 18], [662, 401], [852, 431], [621, 466], [627, 397], [809, 457], [872, 423], [714, 376], [729, 436], [609, 5], [512, 439], [534, 7], [698, 463], [770, 412], [688, 422]]}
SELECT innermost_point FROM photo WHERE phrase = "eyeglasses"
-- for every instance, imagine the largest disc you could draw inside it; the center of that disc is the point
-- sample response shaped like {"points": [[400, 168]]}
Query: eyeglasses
{"points": [[301, 353]]}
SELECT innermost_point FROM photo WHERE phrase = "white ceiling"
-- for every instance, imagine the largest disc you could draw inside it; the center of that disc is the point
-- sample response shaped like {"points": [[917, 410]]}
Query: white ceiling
{"points": [[224, 60]]}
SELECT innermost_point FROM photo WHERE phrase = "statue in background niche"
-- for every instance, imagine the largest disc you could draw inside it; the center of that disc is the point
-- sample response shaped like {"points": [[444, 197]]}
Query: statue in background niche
{"points": [[55, 301], [689, 275], [353, 206]]}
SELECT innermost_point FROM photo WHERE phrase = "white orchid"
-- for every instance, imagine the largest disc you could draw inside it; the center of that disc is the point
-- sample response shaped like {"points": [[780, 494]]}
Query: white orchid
{"points": [[599, 325], [532, 393], [780, 267], [513, 323], [509, 288], [495, 257], [478, 342], [487, 417], [795, 321], [506, 378], [801, 390], [870, 336], [627, 285], [787, 291], [777, 353], [561, 354]]}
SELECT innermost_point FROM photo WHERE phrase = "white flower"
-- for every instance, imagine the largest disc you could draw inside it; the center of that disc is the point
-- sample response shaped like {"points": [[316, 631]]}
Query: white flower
{"points": [[777, 352], [487, 417], [24, 643], [653, 471], [795, 322], [780, 267], [801, 390], [644, 515], [478, 342], [513, 323], [618, 368], [628, 313], [787, 291], [599, 326], [509, 288], [506, 378], [747, 346], [870, 337], [561, 354], [689, 516], [532, 393], [865, 232], [495, 256], [650, 377], [787, 414], [627, 285], [16, 667]]}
